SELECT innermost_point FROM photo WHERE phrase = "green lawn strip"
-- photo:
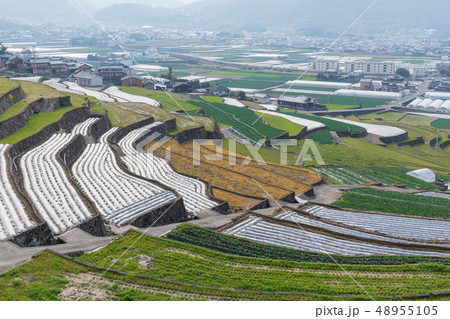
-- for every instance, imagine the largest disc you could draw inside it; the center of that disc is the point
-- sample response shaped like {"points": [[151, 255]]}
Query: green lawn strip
{"points": [[191, 264], [36, 123], [307, 88], [417, 119], [33, 92], [170, 101], [44, 278], [250, 83], [322, 137], [282, 124], [7, 85], [365, 202], [213, 99], [441, 123]]}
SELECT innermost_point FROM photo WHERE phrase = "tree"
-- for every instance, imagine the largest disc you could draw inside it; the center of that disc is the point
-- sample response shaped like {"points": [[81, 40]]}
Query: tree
{"points": [[403, 72], [2, 48], [241, 95]]}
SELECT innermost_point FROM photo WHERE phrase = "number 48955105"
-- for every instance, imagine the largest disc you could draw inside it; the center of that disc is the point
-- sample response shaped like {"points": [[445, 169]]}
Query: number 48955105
{"points": [[407, 310]]}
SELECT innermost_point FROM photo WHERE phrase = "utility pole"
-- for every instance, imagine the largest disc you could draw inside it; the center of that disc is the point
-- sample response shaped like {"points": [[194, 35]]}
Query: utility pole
{"points": [[437, 140]]}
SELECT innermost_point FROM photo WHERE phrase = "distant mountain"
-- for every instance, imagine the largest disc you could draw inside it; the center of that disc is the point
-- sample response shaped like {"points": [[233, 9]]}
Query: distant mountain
{"points": [[133, 13], [313, 16], [44, 11]]}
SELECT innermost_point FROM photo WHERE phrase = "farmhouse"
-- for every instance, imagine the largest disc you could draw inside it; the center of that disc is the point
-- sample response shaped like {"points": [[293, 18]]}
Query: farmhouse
{"points": [[182, 87], [300, 102], [112, 74], [85, 76], [218, 90], [132, 80], [15, 64], [259, 97]]}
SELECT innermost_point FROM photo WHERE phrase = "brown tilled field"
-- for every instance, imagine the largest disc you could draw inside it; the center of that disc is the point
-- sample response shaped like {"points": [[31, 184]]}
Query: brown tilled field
{"points": [[268, 181]]}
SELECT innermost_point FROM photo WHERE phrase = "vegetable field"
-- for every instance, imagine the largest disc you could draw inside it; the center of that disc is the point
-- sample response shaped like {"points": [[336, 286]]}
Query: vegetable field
{"points": [[441, 123], [397, 175], [244, 120], [343, 175], [322, 137], [393, 202]]}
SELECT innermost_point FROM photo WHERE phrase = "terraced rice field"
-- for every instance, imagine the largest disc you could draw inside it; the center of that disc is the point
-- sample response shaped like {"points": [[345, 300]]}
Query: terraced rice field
{"points": [[404, 227], [13, 217], [270, 233], [394, 202], [194, 192], [299, 174], [223, 178], [343, 175], [259, 173]]}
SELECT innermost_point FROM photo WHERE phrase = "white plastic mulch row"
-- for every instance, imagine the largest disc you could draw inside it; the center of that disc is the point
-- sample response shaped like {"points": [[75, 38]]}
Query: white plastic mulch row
{"points": [[153, 167], [57, 85], [294, 217], [112, 190], [311, 125], [83, 91], [48, 187], [258, 230], [83, 128], [343, 175], [320, 84], [34, 79], [398, 226], [13, 217], [369, 94], [380, 130], [433, 194], [121, 96], [233, 102]]}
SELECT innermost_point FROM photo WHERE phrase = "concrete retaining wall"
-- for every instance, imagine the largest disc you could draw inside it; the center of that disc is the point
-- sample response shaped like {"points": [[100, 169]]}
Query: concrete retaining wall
{"points": [[168, 214]]}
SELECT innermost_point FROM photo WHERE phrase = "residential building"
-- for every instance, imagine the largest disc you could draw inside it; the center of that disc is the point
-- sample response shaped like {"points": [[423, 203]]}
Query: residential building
{"points": [[367, 67], [16, 64], [323, 65], [365, 84], [85, 76], [259, 98], [132, 80], [218, 90], [182, 88], [112, 74], [300, 102]]}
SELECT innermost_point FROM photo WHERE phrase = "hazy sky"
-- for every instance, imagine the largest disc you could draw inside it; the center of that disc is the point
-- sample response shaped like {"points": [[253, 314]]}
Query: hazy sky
{"points": [[160, 3]]}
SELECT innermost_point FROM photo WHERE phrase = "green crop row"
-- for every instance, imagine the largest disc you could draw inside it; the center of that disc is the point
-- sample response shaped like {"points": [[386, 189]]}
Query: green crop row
{"points": [[244, 120], [322, 137], [361, 201]]}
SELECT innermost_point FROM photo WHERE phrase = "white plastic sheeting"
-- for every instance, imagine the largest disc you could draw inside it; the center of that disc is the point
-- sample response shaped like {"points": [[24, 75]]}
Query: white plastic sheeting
{"points": [[438, 95], [380, 130], [121, 96], [424, 174], [319, 84], [304, 122], [369, 94]]}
